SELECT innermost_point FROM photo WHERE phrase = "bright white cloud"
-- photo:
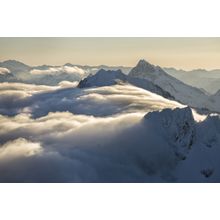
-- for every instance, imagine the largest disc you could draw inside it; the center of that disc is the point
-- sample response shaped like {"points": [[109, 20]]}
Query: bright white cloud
{"points": [[102, 101], [66, 134], [124, 147], [68, 84], [19, 148], [4, 71], [59, 70], [30, 88]]}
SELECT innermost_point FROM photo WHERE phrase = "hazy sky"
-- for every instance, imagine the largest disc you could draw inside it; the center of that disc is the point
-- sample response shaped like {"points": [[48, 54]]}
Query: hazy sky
{"points": [[185, 53]]}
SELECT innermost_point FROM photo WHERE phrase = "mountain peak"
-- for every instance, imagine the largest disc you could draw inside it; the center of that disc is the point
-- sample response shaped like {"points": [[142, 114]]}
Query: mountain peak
{"points": [[144, 67], [217, 93], [103, 78], [143, 62], [13, 62], [103, 71], [15, 66], [179, 126]]}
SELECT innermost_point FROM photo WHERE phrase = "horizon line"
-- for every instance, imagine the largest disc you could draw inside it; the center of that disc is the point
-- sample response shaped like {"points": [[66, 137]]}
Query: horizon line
{"points": [[107, 65]]}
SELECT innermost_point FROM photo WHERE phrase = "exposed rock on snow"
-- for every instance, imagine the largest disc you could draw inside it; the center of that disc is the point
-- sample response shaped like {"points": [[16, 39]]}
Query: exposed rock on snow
{"points": [[177, 126], [182, 92]]}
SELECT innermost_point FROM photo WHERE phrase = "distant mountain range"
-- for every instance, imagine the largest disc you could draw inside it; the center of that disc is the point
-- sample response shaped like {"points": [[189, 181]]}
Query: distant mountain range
{"points": [[107, 126], [182, 92], [208, 80], [111, 77], [144, 75], [156, 80], [47, 74]]}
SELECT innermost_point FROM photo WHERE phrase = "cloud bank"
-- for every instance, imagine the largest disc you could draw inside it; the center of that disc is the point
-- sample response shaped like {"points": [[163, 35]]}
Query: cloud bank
{"points": [[18, 148], [106, 134], [82, 148], [59, 70], [102, 101], [63, 147]]}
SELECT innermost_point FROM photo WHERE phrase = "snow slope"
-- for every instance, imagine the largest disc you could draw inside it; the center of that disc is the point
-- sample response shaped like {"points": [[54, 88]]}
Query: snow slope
{"points": [[103, 78], [208, 80], [111, 77], [196, 145], [182, 92]]}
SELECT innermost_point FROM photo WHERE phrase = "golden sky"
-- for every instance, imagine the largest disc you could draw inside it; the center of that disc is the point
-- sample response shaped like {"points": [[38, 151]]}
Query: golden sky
{"points": [[185, 53]]}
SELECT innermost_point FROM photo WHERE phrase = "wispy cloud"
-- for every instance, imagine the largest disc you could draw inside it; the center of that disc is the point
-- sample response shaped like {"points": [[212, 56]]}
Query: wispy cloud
{"points": [[66, 134], [59, 70]]}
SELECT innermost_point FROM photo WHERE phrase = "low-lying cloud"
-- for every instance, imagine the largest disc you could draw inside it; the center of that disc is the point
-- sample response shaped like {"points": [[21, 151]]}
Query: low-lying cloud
{"points": [[4, 71], [63, 147], [66, 134], [84, 148], [64, 128], [59, 70], [19, 148], [102, 101]]}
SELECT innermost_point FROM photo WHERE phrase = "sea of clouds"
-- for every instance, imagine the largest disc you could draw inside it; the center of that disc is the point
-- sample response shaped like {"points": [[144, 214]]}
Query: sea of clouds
{"points": [[66, 134], [63, 133]]}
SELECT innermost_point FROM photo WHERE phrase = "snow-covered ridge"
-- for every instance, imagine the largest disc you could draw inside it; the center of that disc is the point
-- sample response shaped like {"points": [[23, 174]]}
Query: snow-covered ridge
{"points": [[196, 145], [103, 78], [111, 77], [182, 92], [144, 75], [177, 126], [209, 80], [142, 67]]}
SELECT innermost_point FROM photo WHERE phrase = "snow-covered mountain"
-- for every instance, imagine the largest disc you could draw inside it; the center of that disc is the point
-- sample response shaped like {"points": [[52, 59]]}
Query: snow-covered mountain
{"points": [[111, 128], [48, 74], [15, 71], [215, 99], [144, 75], [111, 77], [155, 79], [40, 75], [182, 92], [15, 66], [196, 145], [177, 126], [103, 78], [208, 80], [94, 69]]}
